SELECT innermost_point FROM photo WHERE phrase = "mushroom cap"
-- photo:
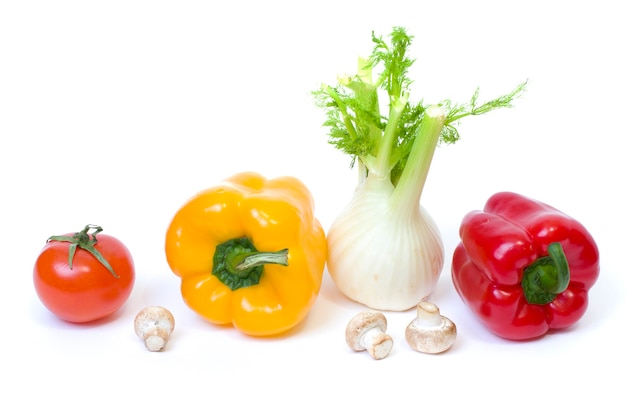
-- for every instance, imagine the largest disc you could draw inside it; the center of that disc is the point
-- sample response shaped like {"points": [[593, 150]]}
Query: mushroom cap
{"points": [[361, 323], [153, 316], [431, 333]]}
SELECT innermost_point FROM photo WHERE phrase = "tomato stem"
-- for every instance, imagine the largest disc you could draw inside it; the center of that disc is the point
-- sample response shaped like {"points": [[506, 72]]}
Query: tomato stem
{"points": [[86, 241]]}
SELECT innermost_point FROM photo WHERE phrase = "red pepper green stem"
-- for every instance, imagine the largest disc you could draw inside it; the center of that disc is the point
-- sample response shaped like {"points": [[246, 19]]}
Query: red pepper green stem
{"points": [[86, 241], [547, 277], [238, 264]]}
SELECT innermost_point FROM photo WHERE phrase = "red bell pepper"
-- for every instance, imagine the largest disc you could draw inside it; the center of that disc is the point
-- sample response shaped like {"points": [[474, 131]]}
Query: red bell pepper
{"points": [[524, 267]]}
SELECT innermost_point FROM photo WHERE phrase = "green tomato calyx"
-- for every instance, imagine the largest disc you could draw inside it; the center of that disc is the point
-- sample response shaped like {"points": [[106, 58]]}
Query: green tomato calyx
{"points": [[86, 241]]}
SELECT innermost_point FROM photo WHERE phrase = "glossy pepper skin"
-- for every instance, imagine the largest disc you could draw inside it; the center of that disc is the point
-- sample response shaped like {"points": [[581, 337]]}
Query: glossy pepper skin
{"points": [[220, 227], [524, 267]]}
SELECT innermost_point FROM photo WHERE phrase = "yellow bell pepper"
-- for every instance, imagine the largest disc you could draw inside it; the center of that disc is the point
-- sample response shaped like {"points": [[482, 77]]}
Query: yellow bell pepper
{"points": [[249, 252]]}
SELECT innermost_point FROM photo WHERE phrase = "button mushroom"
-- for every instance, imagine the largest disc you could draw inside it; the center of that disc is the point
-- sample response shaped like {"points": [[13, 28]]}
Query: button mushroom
{"points": [[154, 325], [430, 332], [366, 331]]}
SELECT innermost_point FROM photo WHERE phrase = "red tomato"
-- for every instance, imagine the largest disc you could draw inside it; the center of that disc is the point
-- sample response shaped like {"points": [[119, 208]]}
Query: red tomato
{"points": [[80, 288]]}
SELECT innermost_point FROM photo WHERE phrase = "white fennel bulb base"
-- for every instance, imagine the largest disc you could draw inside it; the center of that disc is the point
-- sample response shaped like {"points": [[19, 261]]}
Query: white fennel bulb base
{"points": [[381, 256]]}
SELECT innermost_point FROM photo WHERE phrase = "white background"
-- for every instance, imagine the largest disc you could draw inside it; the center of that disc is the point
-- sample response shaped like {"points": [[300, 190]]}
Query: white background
{"points": [[116, 112]]}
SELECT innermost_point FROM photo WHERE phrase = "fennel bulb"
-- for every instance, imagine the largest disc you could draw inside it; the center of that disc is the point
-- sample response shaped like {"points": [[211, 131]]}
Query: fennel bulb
{"points": [[384, 250], [381, 258]]}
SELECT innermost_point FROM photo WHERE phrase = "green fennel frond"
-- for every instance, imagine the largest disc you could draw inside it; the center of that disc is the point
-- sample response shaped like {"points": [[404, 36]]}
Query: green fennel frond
{"points": [[358, 128], [454, 112], [393, 77], [349, 122]]}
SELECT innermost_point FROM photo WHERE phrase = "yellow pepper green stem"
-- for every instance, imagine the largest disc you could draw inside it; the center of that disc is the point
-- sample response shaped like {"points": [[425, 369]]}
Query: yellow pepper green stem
{"points": [[238, 264]]}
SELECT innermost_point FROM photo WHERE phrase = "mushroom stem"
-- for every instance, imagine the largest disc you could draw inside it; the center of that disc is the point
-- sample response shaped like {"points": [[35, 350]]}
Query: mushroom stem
{"points": [[428, 314], [377, 343], [156, 338]]}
